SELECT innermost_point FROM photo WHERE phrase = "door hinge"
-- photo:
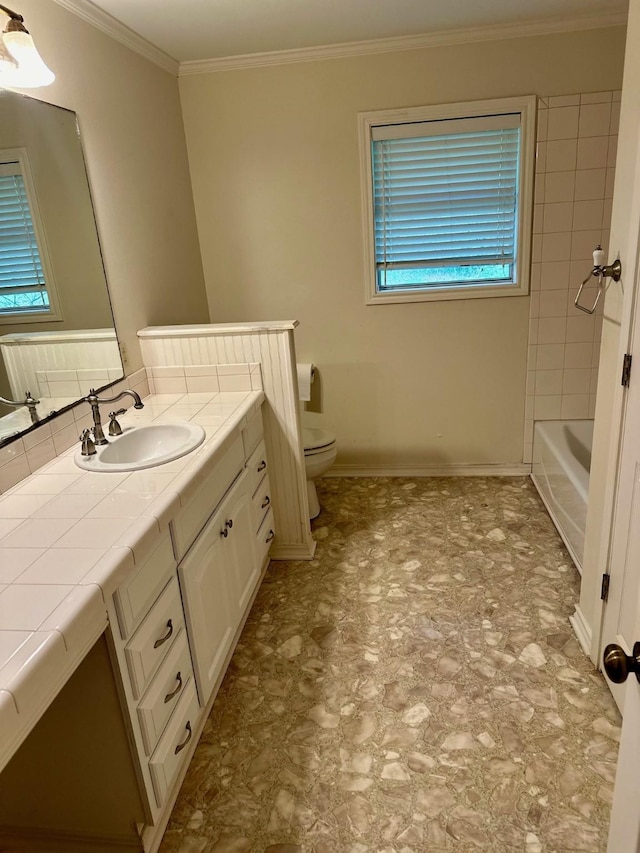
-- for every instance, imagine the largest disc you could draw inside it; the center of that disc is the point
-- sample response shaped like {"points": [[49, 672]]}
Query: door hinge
{"points": [[626, 370], [604, 589]]}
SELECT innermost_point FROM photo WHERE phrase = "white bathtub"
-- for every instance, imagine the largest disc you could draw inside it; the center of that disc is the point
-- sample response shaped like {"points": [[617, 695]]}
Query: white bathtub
{"points": [[561, 464]]}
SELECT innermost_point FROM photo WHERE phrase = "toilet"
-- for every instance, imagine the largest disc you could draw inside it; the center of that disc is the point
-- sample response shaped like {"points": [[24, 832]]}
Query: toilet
{"points": [[319, 455]]}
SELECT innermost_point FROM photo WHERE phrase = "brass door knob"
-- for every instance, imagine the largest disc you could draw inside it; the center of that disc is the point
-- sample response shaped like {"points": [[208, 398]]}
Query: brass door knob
{"points": [[618, 664]]}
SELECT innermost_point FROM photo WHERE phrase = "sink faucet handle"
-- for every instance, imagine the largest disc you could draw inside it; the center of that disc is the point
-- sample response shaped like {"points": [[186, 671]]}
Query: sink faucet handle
{"points": [[88, 447], [114, 426]]}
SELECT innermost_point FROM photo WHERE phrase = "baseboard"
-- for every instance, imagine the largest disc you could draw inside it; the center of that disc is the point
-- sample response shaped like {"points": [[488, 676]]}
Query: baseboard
{"points": [[517, 469], [294, 552], [582, 630]]}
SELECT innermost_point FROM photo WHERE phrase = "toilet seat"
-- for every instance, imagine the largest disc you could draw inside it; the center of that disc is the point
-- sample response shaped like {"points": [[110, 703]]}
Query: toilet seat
{"points": [[316, 440]]}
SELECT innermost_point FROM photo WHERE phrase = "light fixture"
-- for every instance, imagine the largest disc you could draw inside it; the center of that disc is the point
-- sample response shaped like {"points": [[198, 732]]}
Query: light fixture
{"points": [[21, 66]]}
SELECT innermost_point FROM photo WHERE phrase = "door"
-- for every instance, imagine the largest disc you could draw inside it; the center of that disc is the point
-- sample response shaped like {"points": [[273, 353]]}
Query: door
{"points": [[241, 544], [622, 627], [209, 601], [621, 623]]}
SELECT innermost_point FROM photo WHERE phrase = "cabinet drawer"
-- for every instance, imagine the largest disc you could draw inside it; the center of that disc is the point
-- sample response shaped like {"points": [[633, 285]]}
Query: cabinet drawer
{"points": [[148, 647], [192, 518], [165, 690], [264, 537], [136, 595], [252, 433], [261, 501], [173, 748], [257, 466]]}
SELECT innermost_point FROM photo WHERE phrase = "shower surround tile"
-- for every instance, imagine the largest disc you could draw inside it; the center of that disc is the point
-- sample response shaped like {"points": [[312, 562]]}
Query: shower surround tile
{"points": [[574, 184], [415, 687]]}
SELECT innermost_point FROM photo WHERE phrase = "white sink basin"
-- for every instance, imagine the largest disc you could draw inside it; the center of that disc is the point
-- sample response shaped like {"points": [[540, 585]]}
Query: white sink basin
{"points": [[143, 447]]}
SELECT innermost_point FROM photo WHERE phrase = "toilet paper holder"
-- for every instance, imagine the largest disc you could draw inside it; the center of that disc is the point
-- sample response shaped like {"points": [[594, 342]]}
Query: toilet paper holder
{"points": [[601, 271]]}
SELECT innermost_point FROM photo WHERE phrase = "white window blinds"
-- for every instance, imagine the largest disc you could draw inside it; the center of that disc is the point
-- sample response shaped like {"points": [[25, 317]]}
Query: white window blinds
{"points": [[22, 282], [445, 195]]}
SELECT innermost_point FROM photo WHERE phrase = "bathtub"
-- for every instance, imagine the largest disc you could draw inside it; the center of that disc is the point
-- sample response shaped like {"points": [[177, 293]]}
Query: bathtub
{"points": [[560, 473]]}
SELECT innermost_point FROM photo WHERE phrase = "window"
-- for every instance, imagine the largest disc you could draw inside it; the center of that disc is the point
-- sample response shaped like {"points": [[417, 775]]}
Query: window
{"points": [[26, 284], [447, 200]]}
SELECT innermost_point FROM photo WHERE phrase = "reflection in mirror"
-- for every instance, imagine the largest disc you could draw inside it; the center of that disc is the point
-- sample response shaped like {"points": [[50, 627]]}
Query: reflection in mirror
{"points": [[57, 336]]}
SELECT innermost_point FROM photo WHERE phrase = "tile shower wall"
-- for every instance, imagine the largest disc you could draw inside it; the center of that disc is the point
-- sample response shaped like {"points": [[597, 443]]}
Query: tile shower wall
{"points": [[577, 142]]}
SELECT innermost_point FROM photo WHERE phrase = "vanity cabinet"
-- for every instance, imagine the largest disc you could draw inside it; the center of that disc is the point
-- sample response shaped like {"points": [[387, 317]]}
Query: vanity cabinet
{"points": [[138, 703], [181, 613]]}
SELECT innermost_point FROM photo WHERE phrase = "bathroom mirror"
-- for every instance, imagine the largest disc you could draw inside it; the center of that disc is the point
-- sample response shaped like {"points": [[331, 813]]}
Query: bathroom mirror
{"points": [[57, 335]]}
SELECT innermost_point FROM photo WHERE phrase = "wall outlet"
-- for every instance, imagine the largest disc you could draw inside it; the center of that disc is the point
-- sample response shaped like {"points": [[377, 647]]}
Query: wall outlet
{"points": [[123, 354]]}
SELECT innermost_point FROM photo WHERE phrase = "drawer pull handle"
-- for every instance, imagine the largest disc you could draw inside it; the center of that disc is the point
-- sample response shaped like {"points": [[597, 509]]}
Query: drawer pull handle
{"points": [[182, 745], [224, 532], [175, 692], [270, 536], [229, 523], [164, 639], [265, 503], [262, 466]]}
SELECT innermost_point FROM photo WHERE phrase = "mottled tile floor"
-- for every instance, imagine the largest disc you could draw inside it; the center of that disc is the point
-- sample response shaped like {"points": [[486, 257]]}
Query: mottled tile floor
{"points": [[417, 687]]}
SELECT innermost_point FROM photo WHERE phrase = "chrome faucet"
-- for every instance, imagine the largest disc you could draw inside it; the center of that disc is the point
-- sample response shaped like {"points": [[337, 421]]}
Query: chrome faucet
{"points": [[95, 402], [28, 401]]}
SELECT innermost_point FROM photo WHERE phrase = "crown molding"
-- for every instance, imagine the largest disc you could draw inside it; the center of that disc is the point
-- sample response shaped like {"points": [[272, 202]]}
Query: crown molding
{"points": [[107, 24], [388, 45]]}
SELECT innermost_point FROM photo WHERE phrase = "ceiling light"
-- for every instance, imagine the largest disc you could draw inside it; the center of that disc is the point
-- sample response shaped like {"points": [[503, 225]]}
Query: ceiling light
{"points": [[21, 66]]}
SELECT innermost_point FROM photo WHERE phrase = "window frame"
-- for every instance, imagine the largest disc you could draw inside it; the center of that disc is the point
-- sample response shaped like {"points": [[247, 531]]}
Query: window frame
{"points": [[526, 106], [54, 313]]}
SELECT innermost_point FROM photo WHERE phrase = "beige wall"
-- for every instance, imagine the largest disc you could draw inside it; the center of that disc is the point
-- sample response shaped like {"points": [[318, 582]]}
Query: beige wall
{"points": [[133, 139], [274, 164]]}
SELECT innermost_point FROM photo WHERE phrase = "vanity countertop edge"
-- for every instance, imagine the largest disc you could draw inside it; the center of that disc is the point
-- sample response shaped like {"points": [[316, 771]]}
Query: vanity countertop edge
{"points": [[57, 573]]}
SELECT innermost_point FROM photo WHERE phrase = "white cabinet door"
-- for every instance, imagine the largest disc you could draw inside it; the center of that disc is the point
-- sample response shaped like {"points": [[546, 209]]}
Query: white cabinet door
{"points": [[240, 542], [206, 584], [217, 578]]}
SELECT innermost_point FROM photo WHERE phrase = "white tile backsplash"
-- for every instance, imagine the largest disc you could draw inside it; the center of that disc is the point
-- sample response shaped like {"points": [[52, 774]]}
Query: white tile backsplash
{"points": [[39, 447]]}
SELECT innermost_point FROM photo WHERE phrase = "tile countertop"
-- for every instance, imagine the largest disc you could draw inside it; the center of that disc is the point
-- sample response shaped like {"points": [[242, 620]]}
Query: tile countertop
{"points": [[69, 537]]}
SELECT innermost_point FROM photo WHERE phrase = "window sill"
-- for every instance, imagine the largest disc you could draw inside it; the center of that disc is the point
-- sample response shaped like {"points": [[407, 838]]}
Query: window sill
{"points": [[31, 317], [446, 294]]}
